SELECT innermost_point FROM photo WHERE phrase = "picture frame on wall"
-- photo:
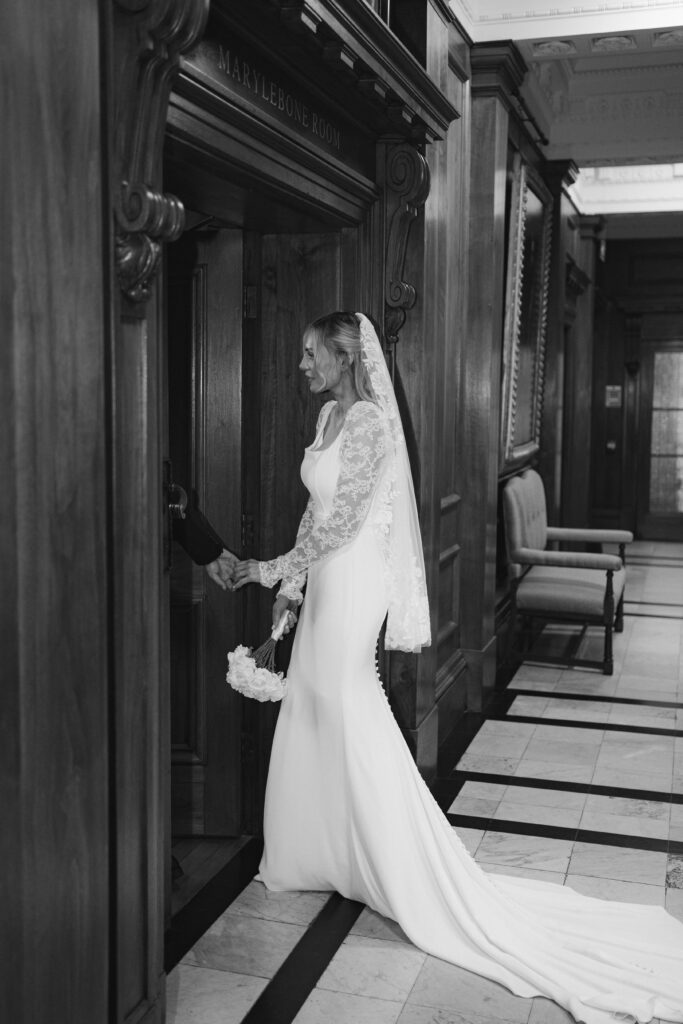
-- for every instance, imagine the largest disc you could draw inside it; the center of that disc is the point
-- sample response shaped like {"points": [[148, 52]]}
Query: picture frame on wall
{"points": [[526, 310]]}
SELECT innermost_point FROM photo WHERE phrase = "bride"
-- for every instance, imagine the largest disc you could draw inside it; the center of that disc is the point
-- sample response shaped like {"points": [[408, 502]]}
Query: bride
{"points": [[346, 808]]}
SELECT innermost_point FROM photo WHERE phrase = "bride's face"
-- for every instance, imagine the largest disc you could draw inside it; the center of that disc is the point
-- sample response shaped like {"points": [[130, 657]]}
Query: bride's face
{"points": [[321, 369]]}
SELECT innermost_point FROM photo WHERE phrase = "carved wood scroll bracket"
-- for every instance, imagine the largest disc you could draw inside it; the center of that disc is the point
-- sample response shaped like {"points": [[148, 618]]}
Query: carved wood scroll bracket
{"points": [[146, 219], [576, 282], [407, 181], [151, 35]]}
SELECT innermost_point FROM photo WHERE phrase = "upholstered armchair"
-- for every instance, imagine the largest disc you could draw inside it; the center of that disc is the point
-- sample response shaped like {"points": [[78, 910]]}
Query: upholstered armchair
{"points": [[562, 586]]}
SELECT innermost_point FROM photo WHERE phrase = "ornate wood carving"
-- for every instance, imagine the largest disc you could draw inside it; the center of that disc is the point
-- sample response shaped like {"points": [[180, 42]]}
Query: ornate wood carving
{"points": [[576, 282], [407, 182], [373, 60], [146, 219], [145, 216]]}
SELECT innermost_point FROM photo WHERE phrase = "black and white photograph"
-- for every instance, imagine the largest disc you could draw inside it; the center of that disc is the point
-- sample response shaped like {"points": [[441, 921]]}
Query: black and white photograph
{"points": [[341, 626]]}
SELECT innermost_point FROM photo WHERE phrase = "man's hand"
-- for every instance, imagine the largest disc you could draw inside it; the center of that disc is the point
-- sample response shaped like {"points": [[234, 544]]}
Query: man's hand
{"points": [[222, 568]]}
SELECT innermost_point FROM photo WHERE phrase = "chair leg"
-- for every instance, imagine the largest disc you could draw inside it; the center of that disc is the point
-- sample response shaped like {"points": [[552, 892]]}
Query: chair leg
{"points": [[608, 619], [619, 622], [608, 661]]}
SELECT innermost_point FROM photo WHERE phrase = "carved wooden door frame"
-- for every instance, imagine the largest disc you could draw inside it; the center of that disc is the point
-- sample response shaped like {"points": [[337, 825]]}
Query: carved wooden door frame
{"points": [[146, 40]]}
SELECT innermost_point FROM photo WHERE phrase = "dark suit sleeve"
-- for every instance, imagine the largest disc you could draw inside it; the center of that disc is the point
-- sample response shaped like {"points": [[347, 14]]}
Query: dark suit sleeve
{"points": [[197, 536]]}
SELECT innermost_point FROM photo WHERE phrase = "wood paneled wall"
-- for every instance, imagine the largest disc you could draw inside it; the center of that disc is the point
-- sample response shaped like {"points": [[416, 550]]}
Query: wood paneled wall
{"points": [[428, 693], [568, 389], [478, 443], [54, 775], [446, 307], [557, 176], [577, 442]]}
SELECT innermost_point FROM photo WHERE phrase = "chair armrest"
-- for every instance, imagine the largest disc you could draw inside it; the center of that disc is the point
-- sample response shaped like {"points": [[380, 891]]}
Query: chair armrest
{"points": [[568, 559], [589, 536]]}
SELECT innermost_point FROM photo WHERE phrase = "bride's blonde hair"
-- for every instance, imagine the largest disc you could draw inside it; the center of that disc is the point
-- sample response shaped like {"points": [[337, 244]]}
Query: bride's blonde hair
{"points": [[340, 334]]}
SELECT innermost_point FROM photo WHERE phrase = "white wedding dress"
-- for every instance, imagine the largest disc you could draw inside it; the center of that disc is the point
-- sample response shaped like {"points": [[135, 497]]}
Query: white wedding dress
{"points": [[347, 810]]}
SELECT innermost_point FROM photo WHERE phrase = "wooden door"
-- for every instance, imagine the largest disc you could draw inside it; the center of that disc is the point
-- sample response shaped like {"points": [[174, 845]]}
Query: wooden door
{"points": [[205, 437], [660, 456], [302, 276]]}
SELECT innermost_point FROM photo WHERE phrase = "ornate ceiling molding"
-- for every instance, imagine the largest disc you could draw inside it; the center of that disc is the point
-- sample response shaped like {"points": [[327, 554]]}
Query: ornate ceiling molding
{"points": [[488, 20], [629, 189], [150, 36], [623, 108], [634, 69]]}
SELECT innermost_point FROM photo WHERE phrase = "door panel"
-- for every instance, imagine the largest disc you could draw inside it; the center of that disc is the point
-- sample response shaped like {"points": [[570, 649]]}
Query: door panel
{"points": [[661, 446], [301, 277], [205, 412], [290, 279]]}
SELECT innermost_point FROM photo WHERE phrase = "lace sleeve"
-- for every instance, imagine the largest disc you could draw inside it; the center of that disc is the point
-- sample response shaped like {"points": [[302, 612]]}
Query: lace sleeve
{"points": [[292, 585], [363, 446]]}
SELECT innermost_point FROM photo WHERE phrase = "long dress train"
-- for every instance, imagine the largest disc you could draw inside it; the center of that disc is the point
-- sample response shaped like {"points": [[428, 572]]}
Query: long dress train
{"points": [[347, 810]]}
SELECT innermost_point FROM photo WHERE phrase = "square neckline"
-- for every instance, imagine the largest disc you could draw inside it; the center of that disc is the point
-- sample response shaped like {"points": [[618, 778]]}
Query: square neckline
{"points": [[315, 448]]}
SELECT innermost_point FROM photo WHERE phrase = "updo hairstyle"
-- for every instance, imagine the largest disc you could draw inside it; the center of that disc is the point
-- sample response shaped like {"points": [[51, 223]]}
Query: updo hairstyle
{"points": [[340, 334]]}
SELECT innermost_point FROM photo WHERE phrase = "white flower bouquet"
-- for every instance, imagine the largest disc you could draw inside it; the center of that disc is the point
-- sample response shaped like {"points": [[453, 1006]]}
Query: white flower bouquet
{"points": [[254, 675]]}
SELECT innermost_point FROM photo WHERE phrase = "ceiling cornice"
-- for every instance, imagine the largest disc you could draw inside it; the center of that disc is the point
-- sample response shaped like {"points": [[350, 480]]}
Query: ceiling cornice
{"points": [[497, 67], [488, 20]]}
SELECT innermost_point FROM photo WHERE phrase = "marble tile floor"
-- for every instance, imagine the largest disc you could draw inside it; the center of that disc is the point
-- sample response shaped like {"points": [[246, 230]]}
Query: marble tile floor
{"points": [[578, 781]]}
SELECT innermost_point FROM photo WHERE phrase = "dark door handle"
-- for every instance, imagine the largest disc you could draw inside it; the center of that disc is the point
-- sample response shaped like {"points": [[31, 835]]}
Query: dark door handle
{"points": [[178, 506]]}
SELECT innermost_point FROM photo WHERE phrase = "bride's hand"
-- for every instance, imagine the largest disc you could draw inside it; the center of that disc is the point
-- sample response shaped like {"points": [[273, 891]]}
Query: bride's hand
{"points": [[245, 572], [281, 605]]}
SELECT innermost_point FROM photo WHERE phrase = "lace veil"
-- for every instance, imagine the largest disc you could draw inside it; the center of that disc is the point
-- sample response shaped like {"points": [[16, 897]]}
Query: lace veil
{"points": [[408, 626]]}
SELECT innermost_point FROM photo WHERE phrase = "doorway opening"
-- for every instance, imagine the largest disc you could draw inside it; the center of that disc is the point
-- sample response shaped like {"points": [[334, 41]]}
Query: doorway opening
{"points": [[660, 461], [204, 399], [245, 278]]}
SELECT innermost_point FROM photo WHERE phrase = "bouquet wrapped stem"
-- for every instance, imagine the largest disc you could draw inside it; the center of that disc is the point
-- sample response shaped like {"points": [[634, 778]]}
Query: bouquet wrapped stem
{"points": [[254, 675], [264, 656]]}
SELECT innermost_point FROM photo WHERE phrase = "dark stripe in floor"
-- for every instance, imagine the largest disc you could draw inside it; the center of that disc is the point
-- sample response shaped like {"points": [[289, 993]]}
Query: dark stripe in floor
{"points": [[654, 615], [598, 698], [574, 723], [445, 790], [656, 561], [576, 835], [288, 990]]}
